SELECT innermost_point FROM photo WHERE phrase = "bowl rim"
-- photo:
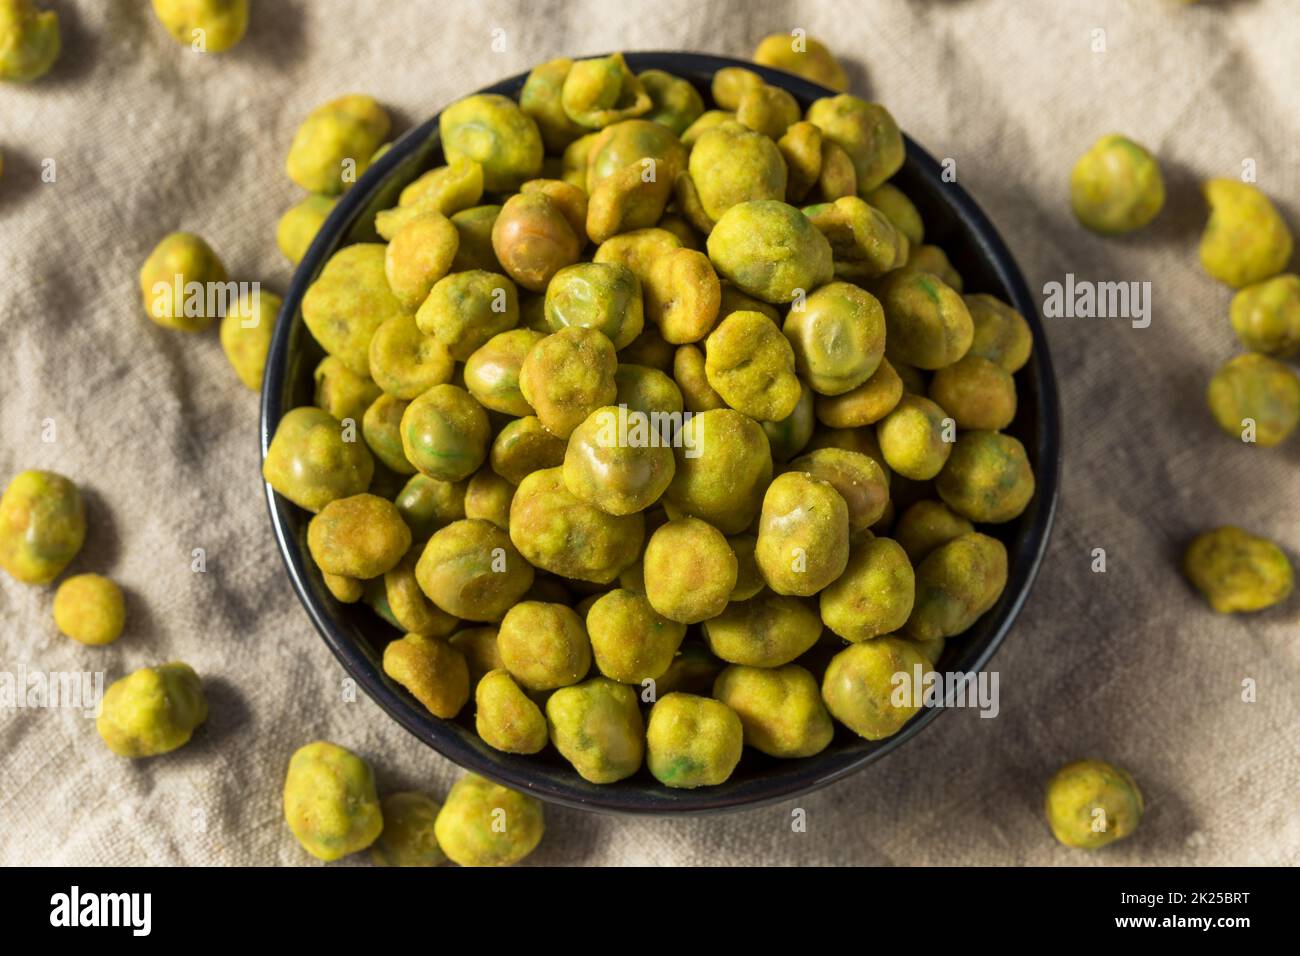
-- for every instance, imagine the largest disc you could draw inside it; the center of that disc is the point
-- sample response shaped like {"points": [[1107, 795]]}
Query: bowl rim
{"points": [[987, 245]]}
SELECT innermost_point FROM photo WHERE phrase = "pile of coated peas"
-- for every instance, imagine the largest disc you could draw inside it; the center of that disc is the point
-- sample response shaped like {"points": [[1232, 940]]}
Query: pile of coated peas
{"points": [[745, 269]]}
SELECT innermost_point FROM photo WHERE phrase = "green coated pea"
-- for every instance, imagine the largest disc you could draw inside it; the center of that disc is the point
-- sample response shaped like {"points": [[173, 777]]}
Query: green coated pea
{"points": [[341, 392], [916, 438], [901, 211], [1116, 186], [42, 526], [631, 642], [767, 109], [506, 718], [674, 102], [30, 41], [1266, 316], [874, 595], [408, 837], [544, 645], [866, 131], [987, 479], [410, 608], [1246, 239], [601, 91], [690, 570], [567, 376], [246, 332], [769, 630], [1254, 396], [770, 250], [731, 164], [178, 282], [802, 55], [838, 337], [465, 309], [865, 405], [421, 252], [646, 390], [1000, 333], [298, 227], [540, 98], [533, 239], [479, 645], [1091, 803], [597, 727], [976, 392], [604, 296], [1237, 571], [311, 461], [470, 569], [861, 686], [692, 741], [860, 481], [617, 462], [485, 824], [330, 801], [90, 609], [803, 534], [432, 670], [780, 709], [427, 504], [405, 362], [152, 711], [927, 322], [523, 447], [488, 496], [956, 584], [864, 242], [751, 365], [349, 300], [927, 525], [445, 433], [335, 144], [494, 132], [724, 465], [932, 259]]}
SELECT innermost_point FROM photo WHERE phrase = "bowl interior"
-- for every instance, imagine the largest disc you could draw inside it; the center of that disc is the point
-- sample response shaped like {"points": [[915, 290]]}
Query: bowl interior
{"points": [[357, 636]]}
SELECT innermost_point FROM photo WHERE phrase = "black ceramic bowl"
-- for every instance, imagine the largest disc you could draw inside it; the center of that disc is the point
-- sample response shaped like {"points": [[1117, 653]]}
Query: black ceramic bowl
{"points": [[357, 636]]}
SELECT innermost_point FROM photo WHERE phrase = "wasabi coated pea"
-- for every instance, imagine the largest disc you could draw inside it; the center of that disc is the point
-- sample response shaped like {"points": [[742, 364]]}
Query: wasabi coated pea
{"points": [[405, 362], [838, 337], [42, 526], [335, 143], [408, 838], [766, 631], [344, 590], [1091, 803], [788, 436], [421, 252], [874, 595], [211, 26], [349, 300], [1237, 571], [299, 225], [567, 376], [30, 41], [381, 427], [927, 322], [506, 718], [311, 464], [479, 645], [803, 534], [987, 479], [628, 200], [485, 824], [640, 250], [492, 372], [1254, 393], [544, 645], [692, 741], [770, 250], [432, 670], [927, 525], [445, 433], [861, 691], [860, 481], [724, 465], [330, 802], [1001, 334], [633, 142], [178, 280], [802, 55], [864, 243], [977, 393], [246, 332], [682, 295], [620, 470], [646, 390], [597, 727], [767, 109], [341, 392], [523, 447], [631, 642], [865, 405], [956, 584], [901, 211], [533, 240], [361, 536], [488, 496], [471, 570], [914, 438], [465, 309], [675, 102], [152, 711], [693, 382], [560, 533], [866, 131], [540, 99], [801, 148], [690, 570], [89, 609], [932, 259], [427, 504], [1246, 239], [752, 366], [731, 83], [1116, 186], [601, 91], [1266, 316], [410, 608], [447, 190], [494, 132], [780, 709], [730, 164], [604, 296]]}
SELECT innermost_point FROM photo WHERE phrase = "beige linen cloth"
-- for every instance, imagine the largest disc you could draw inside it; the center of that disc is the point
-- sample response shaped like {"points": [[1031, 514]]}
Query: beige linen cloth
{"points": [[1129, 665]]}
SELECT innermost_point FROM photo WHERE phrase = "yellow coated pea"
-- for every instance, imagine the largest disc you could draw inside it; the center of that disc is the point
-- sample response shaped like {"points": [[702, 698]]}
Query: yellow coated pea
{"points": [[432, 670], [471, 570], [800, 54], [330, 801], [1237, 571], [506, 718], [617, 461], [916, 438], [540, 99], [976, 392], [803, 534], [861, 690], [874, 595], [427, 504], [298, 227], [1255, 397], [630, 641], [408, 837], [488, 496], [179, 283], [692, 379], [1091, 803], [864, 242], [1246, 239], [544, 645], [42, 526], [310, 462], [597, 727], [866, 131], [682, 295], [335, 144], [724, 465], [465, 309], [801, 148], [406, 362], [90, 609], [152, 711], [692, 741], [768, 630], [902, 212], [865, 405], [1000, 333], [445, 433], [838, 337], [494, 132], [788, 436], [780, 709], [567, 376], [492, 372], [246, 334], [1116, 186], [752, 366], [956, 584], [690, 570], [408, 604], [349, 300], [421, 252], [860, 480], [209, 26], [341, 392], [675, 102], [485, 824], [770, 250], [1266, 316], [767, 109], [361, 536], [927, 322], [30, 41], [987, 478], [479, 645], [533, 239], [927, 525], [523, 447], [731, 164]]}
